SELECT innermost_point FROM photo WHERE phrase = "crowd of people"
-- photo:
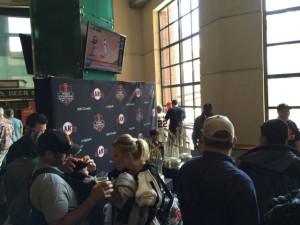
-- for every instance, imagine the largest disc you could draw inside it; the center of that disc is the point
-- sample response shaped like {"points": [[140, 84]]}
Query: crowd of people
{"points": [[46, 183]]}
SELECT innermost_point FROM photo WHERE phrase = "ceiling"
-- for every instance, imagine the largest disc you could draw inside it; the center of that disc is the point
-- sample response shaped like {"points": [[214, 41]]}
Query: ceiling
{"points": [[137, 3]]}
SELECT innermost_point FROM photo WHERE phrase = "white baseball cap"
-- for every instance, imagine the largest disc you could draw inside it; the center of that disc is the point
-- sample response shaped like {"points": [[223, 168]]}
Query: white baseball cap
{"points": [[217, 123]]}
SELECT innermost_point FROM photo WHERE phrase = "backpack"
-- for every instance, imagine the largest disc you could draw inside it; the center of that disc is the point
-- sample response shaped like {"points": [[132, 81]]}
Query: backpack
{"points": [[284, 209], [82, 191], [169, 212]]}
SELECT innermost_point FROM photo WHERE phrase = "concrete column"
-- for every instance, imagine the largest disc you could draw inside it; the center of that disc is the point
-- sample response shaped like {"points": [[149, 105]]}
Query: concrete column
{"points": [[231, 56]]}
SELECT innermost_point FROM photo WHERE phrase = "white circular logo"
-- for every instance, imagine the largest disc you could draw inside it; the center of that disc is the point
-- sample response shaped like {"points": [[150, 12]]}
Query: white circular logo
{"points": [[121, 119], [100, 151], [97, 93], [68, 128], [153, 112]]}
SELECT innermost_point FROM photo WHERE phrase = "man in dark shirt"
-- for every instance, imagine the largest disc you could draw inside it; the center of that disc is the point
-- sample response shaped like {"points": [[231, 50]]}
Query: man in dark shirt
{"points": [[211, 189], [176, 116], [198, 124], [283, 111], [35, 121]]}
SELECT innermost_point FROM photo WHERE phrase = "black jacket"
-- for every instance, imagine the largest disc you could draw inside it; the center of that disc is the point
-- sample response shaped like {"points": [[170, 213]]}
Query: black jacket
{"points": [[274, 169]]}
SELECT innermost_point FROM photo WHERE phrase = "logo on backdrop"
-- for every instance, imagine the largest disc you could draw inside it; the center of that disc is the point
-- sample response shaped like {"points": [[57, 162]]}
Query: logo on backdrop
{"points": [[120, 93], [69, 128], [99, 122], [65, 94], [153, 112], [121, 119], [138, 92], [139, 114], [101, 151], [97, 94]]}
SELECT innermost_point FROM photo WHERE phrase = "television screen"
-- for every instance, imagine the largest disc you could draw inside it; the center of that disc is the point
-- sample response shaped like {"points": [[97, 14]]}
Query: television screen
{"points": [[104, 49], [27, 51]]}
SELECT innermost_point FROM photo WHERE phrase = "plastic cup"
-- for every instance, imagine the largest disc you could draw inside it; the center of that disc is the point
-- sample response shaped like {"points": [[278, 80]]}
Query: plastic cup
{"points": [[101, 176]]}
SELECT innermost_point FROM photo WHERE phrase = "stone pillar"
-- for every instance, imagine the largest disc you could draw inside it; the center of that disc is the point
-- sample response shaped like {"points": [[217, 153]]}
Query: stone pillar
{"points": [[231, 55]]}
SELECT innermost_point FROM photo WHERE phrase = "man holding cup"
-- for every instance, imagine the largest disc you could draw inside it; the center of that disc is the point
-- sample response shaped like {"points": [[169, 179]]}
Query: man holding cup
{"points": [[52, 197]]}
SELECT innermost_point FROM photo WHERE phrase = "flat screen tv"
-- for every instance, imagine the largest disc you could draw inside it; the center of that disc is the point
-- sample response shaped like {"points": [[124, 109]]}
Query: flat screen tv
{"points": [[27, 51], [104, 49]]}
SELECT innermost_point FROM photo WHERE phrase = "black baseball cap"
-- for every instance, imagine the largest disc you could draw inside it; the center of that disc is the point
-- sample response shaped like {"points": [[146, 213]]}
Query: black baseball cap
{"points": [[283, 106], [57, 141]]}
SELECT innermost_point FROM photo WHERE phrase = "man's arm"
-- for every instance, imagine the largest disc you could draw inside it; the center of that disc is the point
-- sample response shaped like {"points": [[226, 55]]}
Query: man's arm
{"points": [[297, 136], [184, 115], [181, 198], [167, 115], [195, 134], [21, 129], [244, 209], [99, 191]]}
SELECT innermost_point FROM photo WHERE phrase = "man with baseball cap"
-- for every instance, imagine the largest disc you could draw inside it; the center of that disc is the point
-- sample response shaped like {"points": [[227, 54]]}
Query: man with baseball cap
{"points": [[283, 111], [211, 189], [51, 196], [274, 166]]}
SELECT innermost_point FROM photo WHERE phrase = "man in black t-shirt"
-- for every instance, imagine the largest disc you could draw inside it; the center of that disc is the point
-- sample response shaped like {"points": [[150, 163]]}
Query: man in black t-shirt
{"points": [[283, 111], [176, 116], [198, 124]]}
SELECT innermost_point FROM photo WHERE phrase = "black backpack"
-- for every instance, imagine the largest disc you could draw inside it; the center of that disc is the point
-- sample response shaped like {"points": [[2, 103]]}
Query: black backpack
{"points": [[82, 191], [284, 209]]}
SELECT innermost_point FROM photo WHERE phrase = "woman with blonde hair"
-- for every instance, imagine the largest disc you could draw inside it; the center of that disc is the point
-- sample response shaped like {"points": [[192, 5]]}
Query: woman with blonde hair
{"points": [[136, 200]]}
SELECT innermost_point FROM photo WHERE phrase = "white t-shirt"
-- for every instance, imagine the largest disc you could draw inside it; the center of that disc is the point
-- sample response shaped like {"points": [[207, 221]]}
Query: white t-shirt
{"points": [[161, 125]]}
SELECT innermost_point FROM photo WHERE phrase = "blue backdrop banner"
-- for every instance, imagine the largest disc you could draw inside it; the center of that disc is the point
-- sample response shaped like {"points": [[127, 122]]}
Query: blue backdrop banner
{"points": [[95, 113]]}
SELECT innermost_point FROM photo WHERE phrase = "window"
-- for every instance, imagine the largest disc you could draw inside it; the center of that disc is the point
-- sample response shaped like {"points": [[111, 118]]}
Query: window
{"points": [[179, 53], [180, 58], [15, 26], [282, 54]]}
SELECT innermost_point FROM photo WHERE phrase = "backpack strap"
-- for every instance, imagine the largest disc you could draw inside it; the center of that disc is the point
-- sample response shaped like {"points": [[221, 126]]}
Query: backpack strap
{"points": [[169, 194], [47, 170]]}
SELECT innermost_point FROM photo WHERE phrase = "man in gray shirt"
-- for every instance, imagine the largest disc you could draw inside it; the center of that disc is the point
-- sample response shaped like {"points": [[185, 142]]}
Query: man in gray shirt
{"points": [[50, 194]]}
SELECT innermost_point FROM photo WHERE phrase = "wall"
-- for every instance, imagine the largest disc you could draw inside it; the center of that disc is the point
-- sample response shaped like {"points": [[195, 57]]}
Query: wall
{"points": [[127, 21], [231, 57], [141, 60]]}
